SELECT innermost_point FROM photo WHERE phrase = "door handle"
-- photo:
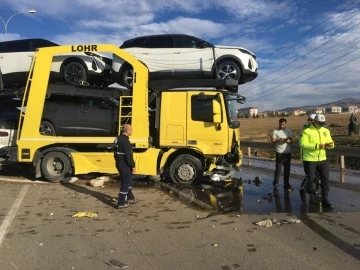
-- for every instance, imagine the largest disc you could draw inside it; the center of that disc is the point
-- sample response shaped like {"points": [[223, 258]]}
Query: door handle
{"points": [[83, 111]]}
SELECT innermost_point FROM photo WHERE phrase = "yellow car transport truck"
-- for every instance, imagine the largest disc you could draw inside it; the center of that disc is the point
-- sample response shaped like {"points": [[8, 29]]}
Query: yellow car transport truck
{"points": [[182, 129]]}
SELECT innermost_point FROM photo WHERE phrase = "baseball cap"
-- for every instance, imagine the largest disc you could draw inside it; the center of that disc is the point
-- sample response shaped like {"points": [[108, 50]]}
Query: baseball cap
{"points": [[320, 118]]}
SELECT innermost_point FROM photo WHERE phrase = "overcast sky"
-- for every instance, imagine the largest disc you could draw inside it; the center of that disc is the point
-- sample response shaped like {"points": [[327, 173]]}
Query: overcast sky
{"points": [[294, 40]]}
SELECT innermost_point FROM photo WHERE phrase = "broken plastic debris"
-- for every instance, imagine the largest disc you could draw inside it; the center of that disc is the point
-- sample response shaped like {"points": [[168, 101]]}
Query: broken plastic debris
{"points": [[213, 226], [103, 178], [51, 214], [292, 221], [352, 204], [115, 200], [117, 264], [97, 182], [41, 244], [85, 214], [73, 179], [259, 201], [264, 223], [214, 245], [269, 196]]}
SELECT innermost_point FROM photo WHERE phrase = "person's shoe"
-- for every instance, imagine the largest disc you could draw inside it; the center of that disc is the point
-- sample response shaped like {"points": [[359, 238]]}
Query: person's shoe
{"points": [[327, 204], [303, 195], [325, 200], [276, 187], [125, 205], [288, 186], [132, 201]]}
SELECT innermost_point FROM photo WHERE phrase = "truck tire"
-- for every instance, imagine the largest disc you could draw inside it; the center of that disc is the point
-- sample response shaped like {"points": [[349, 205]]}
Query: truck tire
{"points": [[186, 169], [55, 166], [127, 77], [73, 72], [46, 128]]}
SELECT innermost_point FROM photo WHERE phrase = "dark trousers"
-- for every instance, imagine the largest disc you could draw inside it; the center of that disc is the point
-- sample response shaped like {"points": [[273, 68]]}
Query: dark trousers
{"points": [[306, 180], [126, 183], [320, 167], [282, 160]]}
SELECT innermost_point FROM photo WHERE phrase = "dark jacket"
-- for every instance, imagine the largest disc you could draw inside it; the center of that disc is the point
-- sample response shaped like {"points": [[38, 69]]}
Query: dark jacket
{"points": [[123, 151]]}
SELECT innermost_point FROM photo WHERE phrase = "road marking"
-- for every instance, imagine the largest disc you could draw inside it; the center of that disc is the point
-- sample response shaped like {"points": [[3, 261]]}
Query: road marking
{"points": [[5, 226]]}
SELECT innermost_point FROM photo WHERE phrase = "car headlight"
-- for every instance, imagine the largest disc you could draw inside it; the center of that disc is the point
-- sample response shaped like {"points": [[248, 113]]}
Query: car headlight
{"points": [[106, 60]]}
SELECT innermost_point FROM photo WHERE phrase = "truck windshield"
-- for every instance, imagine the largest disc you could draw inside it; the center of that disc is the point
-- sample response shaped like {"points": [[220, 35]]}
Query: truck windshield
{"points": [[231, 111]]}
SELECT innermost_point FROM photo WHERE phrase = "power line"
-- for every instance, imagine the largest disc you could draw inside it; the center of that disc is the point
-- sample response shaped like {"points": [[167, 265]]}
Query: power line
{"points": [[309, 78], [304, 55], [303, 74], [292, 41], [301, 46]]}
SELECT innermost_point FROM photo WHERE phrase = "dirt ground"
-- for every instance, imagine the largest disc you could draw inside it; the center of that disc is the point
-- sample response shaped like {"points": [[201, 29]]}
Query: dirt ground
{"points": [[252, 128]]}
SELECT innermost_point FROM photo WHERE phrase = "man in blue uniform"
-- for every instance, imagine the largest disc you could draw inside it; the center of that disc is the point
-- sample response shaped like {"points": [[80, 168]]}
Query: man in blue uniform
{"points": [[125, 164]]}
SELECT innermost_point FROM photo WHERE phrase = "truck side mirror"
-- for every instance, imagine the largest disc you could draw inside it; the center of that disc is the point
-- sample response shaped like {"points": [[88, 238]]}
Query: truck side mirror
{"points": [[240, 99], [216, 111]]}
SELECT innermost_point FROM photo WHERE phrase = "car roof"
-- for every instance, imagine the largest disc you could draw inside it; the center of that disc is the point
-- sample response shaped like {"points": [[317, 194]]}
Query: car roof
{"points": [[161, 35], [26, 39]]}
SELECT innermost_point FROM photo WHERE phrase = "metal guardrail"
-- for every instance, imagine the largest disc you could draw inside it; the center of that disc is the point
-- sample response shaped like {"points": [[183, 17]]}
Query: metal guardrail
{"points": [[338, 150]]}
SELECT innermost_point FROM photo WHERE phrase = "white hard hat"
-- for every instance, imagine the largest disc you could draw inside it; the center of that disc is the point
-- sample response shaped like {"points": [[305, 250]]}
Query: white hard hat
{"points": [[312, 116]]}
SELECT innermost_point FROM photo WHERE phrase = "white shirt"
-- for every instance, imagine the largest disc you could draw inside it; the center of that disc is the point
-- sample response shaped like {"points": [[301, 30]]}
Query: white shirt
{"points": [[282, 147]]}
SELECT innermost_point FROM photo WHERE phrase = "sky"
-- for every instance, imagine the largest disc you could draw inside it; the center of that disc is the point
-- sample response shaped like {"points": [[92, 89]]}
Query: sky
{"points": [[308, 50]]}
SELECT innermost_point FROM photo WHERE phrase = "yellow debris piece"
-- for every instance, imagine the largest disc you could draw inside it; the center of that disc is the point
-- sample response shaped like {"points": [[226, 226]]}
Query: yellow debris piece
{"points": [[115, 200], [85, 214]]}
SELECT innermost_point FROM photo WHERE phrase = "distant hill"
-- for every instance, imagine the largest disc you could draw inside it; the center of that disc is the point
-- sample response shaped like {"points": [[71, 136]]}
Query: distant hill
{"points": [[341, 103]]}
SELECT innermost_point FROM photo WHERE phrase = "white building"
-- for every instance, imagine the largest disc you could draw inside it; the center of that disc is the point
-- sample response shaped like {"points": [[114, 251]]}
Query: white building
{"points": [[353, 109], [336, 109]]}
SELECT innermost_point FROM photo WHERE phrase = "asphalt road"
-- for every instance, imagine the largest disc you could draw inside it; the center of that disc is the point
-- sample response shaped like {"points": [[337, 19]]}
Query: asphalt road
{"points": [[176, 227]]}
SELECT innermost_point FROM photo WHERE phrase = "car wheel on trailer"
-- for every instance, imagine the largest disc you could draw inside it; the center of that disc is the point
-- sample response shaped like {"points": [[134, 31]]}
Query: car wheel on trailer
{"points": [[55, 166], [74, 72], [127, 77], [186, 169], [228, 70], [47, 129]]}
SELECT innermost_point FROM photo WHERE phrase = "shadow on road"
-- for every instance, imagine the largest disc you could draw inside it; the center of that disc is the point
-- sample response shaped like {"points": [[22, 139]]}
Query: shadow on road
{"points": [[104, 198]]}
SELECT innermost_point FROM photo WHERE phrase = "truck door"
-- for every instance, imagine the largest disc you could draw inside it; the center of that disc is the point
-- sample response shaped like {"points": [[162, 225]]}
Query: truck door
{"points": [[202, 132]]}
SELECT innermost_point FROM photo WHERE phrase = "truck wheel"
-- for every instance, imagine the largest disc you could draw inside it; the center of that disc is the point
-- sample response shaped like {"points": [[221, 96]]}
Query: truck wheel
{"points": [[127, 77], [47, 129], [74, 72], [56, 166], [229, 70], [186, 169]]}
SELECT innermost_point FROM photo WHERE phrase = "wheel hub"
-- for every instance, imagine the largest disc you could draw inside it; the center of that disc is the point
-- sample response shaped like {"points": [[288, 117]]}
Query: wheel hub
{"points": [[186, 172], [227, 72]]}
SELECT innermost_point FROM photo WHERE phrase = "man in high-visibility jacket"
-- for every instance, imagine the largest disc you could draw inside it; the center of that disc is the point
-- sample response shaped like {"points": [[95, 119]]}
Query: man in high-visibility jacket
{"points": [[313, 142]]}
